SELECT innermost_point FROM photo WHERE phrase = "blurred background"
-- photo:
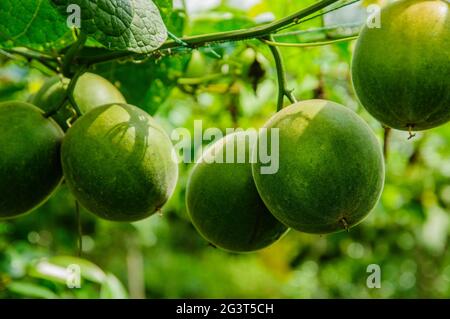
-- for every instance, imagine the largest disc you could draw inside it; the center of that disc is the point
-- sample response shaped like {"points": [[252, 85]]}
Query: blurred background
{"points": [[234, 85]]}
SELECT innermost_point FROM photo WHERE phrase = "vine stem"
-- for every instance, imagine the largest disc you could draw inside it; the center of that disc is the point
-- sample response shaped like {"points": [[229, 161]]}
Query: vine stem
{"points": [[58, 107], [71, 54], [308, 44], [68, 97], [386, 141], [71, 87], [281, 76], [257, 32], [317, 30]]}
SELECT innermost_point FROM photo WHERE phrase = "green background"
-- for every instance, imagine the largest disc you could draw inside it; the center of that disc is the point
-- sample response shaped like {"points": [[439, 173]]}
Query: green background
{"points": [[407, 234]]}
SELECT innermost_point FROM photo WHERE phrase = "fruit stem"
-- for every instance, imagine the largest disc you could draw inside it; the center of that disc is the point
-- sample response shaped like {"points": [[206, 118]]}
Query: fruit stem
{"points": [[79, 228], [345, 224], [386, 139], [58, 107], [411, 134], [70, 56], [71, 88], [281, 76]]}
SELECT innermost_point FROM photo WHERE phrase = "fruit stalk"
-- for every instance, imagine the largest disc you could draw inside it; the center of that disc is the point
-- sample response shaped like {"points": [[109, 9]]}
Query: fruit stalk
{"points": [[281, 75]]}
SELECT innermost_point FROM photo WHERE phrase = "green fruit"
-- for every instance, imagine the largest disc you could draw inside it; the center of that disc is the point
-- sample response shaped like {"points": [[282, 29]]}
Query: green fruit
{"points": [[90, 91], [331, 169], [119, 163], [223, 202], [30, 168], [197, 66], [401, 71]]}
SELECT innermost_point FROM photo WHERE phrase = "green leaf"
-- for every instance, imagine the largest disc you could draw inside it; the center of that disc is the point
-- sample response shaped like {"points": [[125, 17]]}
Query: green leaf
{"points": [[112, 288], [31, 23], [165, 6], [173, 19], [122, 25], [151, 83], [219, 22], [31, 290]]}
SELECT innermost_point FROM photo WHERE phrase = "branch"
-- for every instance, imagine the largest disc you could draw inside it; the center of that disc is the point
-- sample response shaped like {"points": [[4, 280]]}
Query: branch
{"points": [[206, 39], [71, 88], [71, 54], [281, 75]]}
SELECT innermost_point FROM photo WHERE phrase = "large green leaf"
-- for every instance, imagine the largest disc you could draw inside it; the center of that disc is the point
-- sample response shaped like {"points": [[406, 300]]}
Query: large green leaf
{"points": [[123, 25], [31, 23]]}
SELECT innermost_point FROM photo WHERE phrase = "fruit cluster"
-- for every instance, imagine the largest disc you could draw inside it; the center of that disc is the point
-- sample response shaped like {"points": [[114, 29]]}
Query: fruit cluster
{"points": [[120, 164], [330, 176], [116, 160], [331, 169]]}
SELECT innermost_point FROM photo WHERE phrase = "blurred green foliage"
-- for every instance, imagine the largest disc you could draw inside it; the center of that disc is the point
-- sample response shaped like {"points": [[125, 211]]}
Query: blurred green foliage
{"points": [[407, 234]]}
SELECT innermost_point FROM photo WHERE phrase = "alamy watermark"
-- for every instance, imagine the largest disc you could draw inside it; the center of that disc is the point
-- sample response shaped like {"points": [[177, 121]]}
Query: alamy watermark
{"points": [[74, 16], [374, 279], [373, 16], [263, 145]]}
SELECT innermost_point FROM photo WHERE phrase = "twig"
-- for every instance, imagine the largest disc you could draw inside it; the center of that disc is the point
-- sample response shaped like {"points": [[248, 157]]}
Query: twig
{"points": [[309, 44]]}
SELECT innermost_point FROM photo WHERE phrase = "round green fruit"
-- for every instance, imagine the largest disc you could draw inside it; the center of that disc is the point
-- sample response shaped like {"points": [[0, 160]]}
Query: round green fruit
{"points": [[330, 167], [90, 91], [119, 163], [223, 202], [30, 168], [197, 66], [401, 70]]}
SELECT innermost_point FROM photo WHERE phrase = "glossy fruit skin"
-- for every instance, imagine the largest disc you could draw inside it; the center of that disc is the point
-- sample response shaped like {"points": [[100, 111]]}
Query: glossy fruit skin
{"points": [[223, 202], [401, 71], [331, 168], [30, 168], [119, 163], [90, 91]]}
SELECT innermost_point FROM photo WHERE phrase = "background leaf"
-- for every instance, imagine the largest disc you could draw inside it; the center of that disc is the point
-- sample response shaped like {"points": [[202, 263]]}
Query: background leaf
{"points": [[31, 23], [173, 19], [151, 83]]}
